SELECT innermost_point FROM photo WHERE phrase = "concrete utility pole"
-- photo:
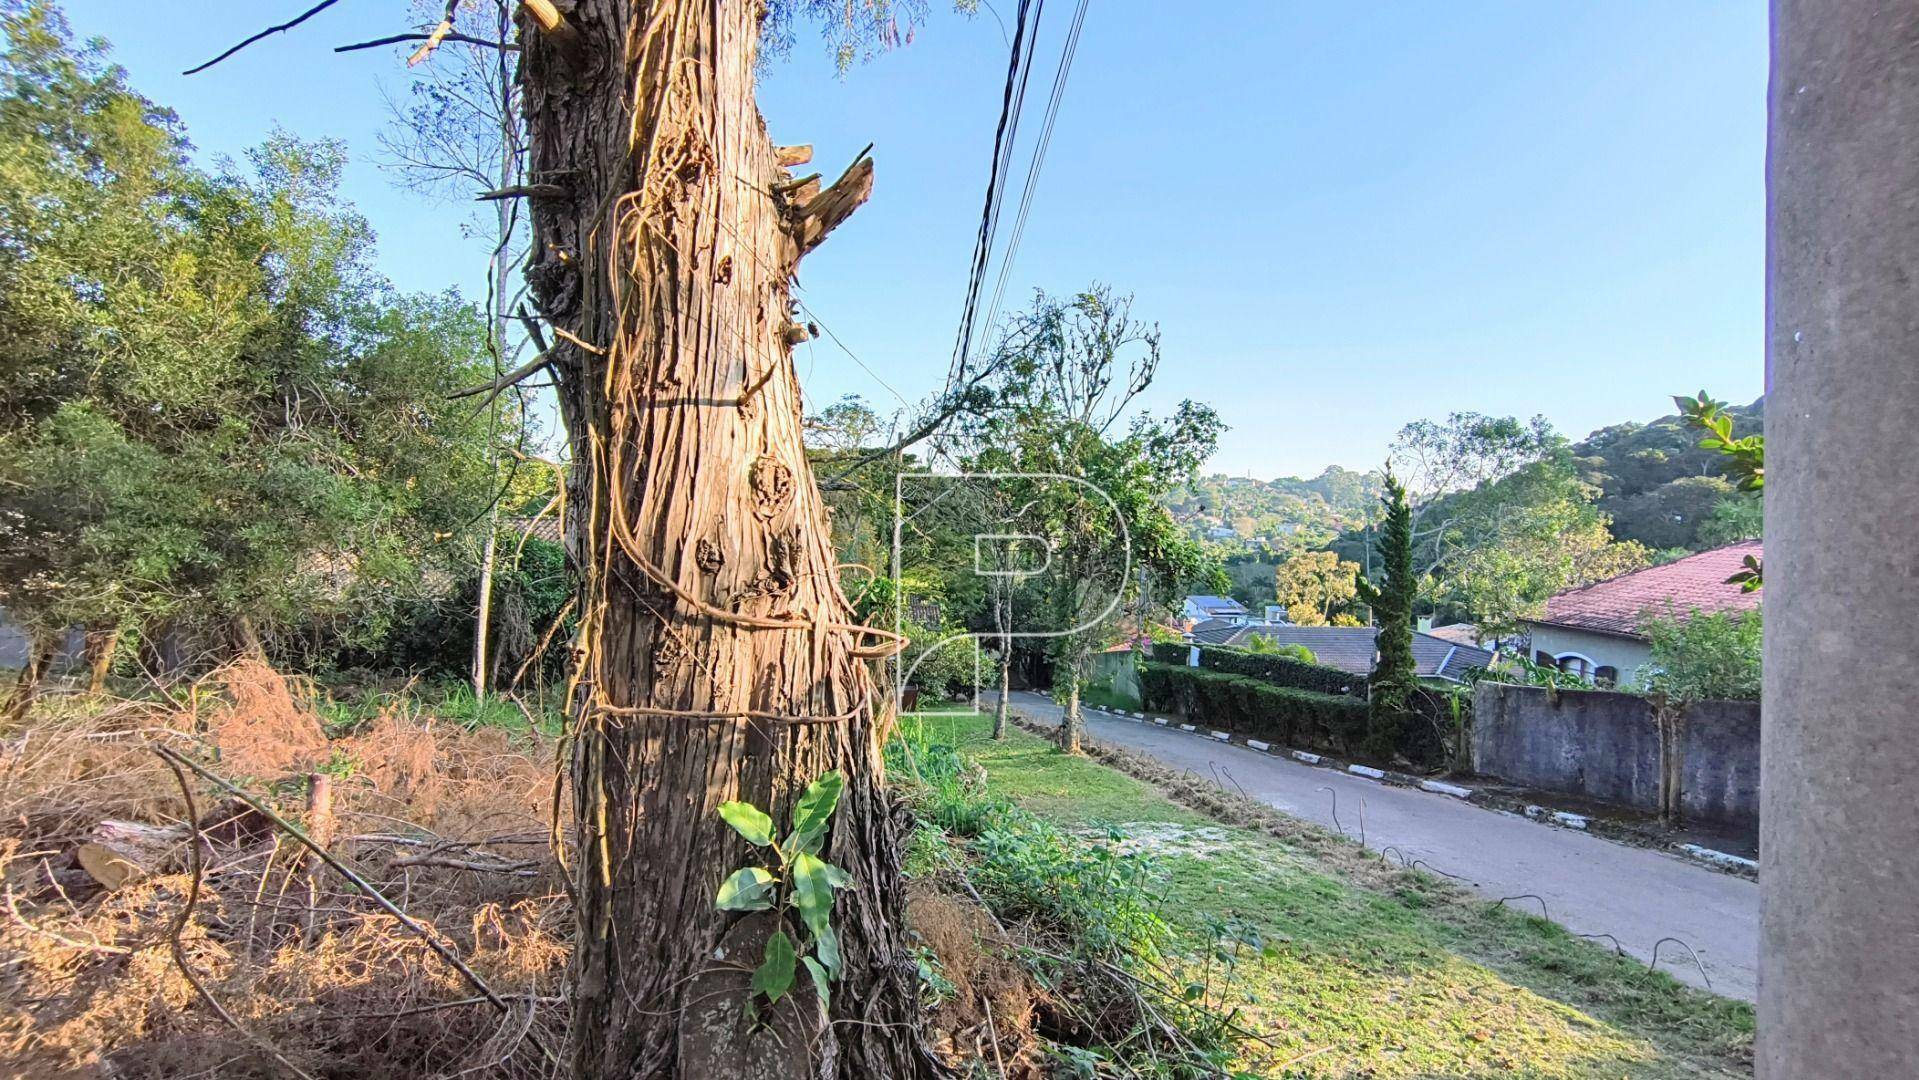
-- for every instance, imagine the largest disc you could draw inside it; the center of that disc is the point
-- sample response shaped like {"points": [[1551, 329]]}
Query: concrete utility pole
{"points": [[1839, 876]]}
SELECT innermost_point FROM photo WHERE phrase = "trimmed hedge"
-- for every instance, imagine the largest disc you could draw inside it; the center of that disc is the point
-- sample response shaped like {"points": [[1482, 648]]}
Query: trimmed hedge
{"points": [[1277, 670], [1284, 671], [1255, 708], [1170, 652]]}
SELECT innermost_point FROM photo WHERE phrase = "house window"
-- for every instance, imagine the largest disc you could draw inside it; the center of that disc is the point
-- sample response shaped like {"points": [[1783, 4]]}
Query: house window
{"points": [[1606, 675], [1575, 664]]}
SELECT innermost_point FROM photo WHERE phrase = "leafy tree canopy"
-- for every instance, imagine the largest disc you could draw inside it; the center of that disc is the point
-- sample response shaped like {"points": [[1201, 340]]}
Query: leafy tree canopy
{"points": [[213, 411]]}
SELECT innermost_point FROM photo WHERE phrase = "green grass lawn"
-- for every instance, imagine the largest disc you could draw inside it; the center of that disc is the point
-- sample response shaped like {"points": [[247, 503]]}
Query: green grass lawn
{"points": [[1371, 971]]}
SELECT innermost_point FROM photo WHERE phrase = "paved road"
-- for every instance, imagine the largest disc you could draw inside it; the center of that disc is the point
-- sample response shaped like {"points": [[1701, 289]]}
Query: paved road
{"points": [[1591, 886]]}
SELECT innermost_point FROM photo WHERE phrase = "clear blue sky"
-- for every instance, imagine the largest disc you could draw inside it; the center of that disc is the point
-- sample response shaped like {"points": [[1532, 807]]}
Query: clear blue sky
{"points": [[1343, 216]]}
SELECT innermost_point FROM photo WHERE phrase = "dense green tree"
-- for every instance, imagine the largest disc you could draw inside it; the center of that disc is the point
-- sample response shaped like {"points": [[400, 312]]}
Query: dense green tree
{"points": [[1674, 514], [1392, 597], [1500, 551], [214, 415], [1072, 368], [1742, 517], [1744, 456]]}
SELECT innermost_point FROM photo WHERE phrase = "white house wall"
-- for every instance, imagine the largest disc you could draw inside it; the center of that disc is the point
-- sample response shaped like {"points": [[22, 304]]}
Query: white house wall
{"points": [[1602, 650]]}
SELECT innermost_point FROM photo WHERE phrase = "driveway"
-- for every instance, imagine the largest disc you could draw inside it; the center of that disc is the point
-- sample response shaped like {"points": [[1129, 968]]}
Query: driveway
{"points": [[1590, 886]]}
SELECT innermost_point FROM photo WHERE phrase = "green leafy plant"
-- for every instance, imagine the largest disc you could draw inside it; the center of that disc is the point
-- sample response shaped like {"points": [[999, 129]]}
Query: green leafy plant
{"points": [[798, 879], [1745, 459], [1704, 655], [1524, 672]]}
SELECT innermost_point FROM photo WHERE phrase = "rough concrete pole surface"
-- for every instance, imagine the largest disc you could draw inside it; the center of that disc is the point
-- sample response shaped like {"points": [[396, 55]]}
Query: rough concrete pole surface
{"points": [[1839, 876]]}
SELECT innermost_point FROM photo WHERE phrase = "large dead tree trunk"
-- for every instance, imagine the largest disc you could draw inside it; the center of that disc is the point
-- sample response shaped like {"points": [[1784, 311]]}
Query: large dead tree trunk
{"points": [[720, 658]]}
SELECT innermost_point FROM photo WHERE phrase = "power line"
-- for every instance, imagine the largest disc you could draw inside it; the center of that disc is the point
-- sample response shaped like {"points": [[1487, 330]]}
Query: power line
{"points": [[1012, 103], [1038, 161]]}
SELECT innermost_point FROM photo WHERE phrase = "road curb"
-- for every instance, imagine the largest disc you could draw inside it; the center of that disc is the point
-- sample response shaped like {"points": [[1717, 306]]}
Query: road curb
{"points": [[1558, 817], [1724, 860]]}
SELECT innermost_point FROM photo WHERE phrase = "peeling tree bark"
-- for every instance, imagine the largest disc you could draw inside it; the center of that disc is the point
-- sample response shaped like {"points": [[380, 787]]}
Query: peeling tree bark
{"points": [[719, 657]]}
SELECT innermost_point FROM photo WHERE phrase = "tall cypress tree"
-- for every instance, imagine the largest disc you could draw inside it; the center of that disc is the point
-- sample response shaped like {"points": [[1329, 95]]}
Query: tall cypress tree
{"points": [[1391, 598]]}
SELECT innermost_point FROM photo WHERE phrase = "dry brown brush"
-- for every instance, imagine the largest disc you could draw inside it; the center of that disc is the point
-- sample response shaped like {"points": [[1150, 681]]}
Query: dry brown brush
{"points": [[298, 969]]}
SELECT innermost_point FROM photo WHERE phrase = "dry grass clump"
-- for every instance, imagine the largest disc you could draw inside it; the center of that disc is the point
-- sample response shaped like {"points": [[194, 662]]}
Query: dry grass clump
{"points": [[451, 825], [990, 1008]]}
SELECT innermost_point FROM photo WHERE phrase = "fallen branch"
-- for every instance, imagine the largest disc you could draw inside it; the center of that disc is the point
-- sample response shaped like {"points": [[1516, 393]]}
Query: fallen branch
{"points": [[358, 880], [13, 908], [525, 868]]}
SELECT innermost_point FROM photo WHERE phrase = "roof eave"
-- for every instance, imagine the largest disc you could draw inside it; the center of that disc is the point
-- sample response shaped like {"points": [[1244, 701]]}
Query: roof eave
{"points": [[1586, 629]]}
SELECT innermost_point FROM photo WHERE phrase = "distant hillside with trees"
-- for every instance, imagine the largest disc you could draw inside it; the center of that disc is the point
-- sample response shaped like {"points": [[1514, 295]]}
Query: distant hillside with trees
{"points": [[1290, 513], [1507, 511], [1662, 489]]}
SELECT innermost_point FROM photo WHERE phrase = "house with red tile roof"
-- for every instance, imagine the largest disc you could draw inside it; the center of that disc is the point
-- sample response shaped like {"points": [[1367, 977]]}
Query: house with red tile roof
{"points": [[1594, 631]]}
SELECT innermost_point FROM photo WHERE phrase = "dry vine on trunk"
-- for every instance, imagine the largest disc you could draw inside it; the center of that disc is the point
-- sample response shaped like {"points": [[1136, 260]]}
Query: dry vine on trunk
{"points": [[720, 658]]}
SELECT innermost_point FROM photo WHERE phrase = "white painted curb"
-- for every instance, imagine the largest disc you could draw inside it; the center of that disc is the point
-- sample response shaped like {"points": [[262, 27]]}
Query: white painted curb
{"points": [[1139, 716], [1257, 745], [1571, 821], [1187, 727], [1310, 759], [1366, 770], [1223, 736], [1719, 858], [1161, 721], [1440, 788]]}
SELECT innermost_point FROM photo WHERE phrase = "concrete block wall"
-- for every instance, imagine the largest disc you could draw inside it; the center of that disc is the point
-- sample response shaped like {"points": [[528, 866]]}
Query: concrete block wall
{"points": [[1605, 745]]}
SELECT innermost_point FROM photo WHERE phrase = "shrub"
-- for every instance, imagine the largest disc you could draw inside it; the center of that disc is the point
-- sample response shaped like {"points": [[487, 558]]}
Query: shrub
{"points": [[1520, 671], [1249, 706], [1704, 655], [949, 672], [434, 638]]}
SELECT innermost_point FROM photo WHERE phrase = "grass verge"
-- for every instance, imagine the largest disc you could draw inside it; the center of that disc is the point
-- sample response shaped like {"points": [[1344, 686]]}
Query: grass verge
{"points": [[1365, 970]]}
